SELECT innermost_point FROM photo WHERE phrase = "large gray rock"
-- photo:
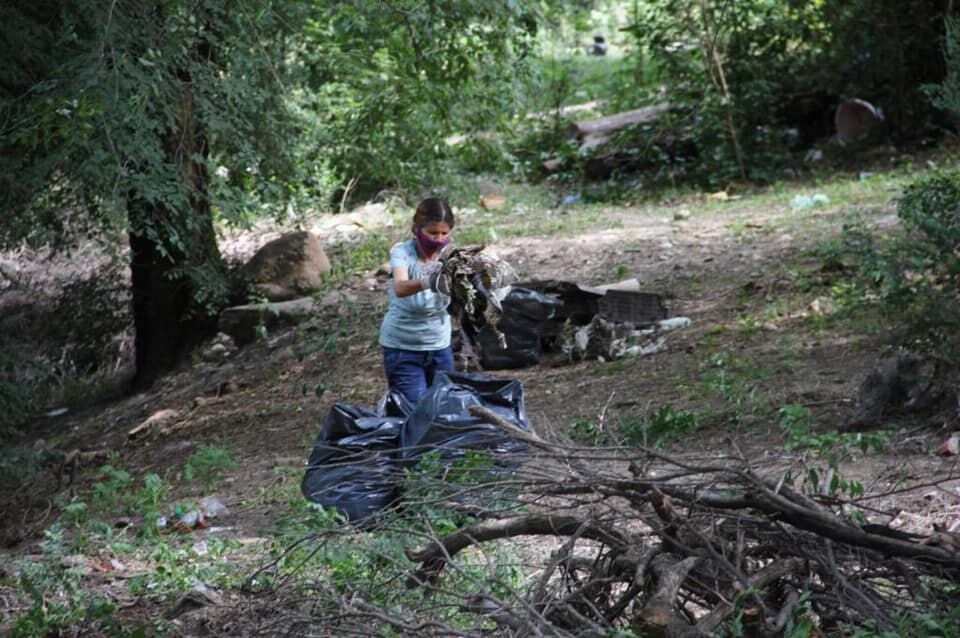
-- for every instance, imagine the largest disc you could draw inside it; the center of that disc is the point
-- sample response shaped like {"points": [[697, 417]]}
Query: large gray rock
{"points": [[242, 322], [288, 267]]}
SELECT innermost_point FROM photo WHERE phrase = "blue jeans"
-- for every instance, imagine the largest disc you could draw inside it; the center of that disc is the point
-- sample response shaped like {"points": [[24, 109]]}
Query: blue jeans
{"points": [[411, 372]]}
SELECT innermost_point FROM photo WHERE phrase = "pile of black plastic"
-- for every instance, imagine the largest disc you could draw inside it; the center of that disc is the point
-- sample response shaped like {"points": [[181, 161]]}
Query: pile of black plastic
{"points": [[358, 461]]}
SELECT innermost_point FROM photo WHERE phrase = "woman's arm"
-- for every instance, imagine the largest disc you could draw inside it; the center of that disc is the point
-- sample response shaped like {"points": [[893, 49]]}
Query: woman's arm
{"points": [[403, 285]]}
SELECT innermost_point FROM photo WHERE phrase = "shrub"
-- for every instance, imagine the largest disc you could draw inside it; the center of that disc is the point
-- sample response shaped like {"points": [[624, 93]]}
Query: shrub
{"points": [[659, 427], [208, 465], [917, 274]]}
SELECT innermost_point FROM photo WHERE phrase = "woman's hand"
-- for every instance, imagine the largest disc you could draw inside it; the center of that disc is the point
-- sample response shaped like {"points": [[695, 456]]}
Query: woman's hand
{"points": [[435, 279]]}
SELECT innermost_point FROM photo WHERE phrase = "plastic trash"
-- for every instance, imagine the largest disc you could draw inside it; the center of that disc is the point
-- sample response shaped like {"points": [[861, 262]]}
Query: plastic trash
{"points": [[441, 421], [353, 466], [524, 312], [189, 520], [807, 202], [212, 507], [358, 461], [673, 323], [658, 345]]}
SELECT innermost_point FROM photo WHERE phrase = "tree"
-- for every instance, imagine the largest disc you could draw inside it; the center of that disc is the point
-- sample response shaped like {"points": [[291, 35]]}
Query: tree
{"points": [[111, 111], [754, 79], [154, 118]]}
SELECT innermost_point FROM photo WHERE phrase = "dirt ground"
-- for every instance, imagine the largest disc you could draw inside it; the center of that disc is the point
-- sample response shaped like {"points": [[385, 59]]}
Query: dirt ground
{"points": [[745, 271]]}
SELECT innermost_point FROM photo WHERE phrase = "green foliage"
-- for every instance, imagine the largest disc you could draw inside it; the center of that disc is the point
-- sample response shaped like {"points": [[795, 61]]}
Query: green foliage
{"points": [[660, 426], [20, 388], [390, 83], [917, 625], [797, 421], [350, 258], [49, 579], [914, 278], [208, 465], [736, 380], [84, 325], [585, 431], [832, 446], [946, 94], [57, 603], [337, 559]]}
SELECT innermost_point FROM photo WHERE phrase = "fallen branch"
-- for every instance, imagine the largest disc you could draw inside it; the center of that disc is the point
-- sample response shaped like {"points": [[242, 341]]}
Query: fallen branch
{"points": [[434, 556], [616, 122]]}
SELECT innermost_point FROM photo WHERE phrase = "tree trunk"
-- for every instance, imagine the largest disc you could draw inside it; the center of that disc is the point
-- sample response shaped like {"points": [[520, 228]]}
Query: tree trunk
{"points": [[610, 124], [178, 275], [166, 322]]}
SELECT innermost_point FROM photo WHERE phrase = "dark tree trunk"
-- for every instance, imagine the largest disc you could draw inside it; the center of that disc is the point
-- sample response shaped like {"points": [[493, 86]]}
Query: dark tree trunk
{"points": [[166, 321], [177, 271]]}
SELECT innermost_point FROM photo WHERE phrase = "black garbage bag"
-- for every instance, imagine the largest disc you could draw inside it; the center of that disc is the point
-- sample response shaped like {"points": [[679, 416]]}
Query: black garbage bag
{"points": [[524, 313], [354, 463], [441, 420], [358, 461]]}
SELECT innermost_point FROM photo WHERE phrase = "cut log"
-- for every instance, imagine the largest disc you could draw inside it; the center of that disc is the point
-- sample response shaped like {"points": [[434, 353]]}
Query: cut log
{"points": [[592, 141], [566, 111], [553, 165], [616, 122]]}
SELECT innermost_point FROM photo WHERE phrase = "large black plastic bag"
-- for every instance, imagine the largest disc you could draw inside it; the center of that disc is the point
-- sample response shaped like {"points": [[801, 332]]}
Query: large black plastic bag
{"points": [[357, 463], [524, 312], [442, 421], [354, 463]]}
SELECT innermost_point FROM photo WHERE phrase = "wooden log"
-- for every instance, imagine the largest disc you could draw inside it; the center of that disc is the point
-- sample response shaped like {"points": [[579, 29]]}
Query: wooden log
{"points": [[552, 165], [657, 618], [592, 141], [616, 122], [566, 111]]}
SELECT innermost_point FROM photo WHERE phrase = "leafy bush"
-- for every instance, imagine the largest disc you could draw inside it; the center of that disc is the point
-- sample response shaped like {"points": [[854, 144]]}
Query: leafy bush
{"points": [[208, 465], [20, 394], [89, 316], [659, 427], [916, 276], [946, 95]]}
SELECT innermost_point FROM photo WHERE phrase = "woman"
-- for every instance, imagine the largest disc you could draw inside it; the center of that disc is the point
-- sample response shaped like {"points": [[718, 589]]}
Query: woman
{"points": [[415, 333]]}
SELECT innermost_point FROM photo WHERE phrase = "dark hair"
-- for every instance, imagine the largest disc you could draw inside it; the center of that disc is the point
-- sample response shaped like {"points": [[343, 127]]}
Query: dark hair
{"points": [[433, 209]]}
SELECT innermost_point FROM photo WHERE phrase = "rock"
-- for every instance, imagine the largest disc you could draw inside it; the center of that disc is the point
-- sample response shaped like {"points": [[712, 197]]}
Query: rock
{"points": [[242, 322], [951, 446], [682, 214], [288, 267], [215, 353], [199, 596], [896, 385]]}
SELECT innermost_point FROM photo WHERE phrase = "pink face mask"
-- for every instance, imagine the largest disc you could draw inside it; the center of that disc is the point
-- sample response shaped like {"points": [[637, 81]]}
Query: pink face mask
{"points": [[428, 244]]}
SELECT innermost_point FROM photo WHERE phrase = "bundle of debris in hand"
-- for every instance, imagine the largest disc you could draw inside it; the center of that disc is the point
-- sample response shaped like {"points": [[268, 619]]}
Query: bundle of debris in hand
{"points": [[504, 324]]}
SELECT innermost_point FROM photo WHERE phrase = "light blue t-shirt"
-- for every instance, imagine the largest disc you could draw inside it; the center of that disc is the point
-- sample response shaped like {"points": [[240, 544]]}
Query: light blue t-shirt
{"points": [[419, 321]]}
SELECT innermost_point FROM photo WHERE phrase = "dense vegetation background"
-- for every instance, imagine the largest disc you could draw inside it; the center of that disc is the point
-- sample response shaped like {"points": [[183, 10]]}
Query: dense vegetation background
{"points": [[159, 119]]}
